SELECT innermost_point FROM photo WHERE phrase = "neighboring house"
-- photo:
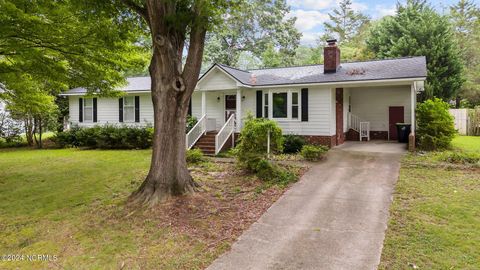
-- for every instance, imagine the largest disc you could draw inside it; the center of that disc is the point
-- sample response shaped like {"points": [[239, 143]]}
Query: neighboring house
{"points": [[325, 103]]}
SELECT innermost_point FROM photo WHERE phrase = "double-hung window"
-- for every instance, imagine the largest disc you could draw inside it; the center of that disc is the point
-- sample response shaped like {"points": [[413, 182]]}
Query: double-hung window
{"points": [[129, 109], [88, 110], [284, 104]]}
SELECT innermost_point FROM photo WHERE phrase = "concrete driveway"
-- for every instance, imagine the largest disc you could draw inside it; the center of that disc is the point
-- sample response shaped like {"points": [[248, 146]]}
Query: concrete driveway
{"points": [[334, 218]]}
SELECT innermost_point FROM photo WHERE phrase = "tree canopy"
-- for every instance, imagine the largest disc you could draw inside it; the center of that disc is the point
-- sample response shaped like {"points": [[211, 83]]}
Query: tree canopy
{"points": [[465, 17], [60, 44], [417, 30], [255, 27]]}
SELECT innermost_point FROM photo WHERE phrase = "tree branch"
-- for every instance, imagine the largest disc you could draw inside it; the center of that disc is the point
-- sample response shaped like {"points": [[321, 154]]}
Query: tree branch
{"points": [[141, 10]]}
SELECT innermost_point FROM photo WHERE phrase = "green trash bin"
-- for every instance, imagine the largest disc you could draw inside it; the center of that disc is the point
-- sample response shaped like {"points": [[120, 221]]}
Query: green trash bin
{"points": [[403, 130]]}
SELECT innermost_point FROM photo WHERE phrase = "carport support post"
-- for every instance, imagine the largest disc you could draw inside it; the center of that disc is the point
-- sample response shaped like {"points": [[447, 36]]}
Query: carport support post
{"points": [[411, 136]]}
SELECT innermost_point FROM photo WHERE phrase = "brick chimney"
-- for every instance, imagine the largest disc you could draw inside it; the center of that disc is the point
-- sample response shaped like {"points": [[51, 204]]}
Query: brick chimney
{"points": [[331, 57]]}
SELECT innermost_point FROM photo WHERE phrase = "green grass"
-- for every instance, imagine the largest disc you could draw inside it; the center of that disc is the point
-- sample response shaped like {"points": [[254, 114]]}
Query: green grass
{"points": [[467, 143], [435, 215], [71, 203]]}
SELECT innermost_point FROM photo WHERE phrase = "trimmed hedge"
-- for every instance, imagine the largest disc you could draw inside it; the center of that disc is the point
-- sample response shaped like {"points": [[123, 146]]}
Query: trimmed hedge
{"points": [[106, 137]]}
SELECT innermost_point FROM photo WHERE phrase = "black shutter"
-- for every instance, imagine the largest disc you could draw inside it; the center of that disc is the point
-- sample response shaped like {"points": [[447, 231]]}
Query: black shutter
{"points": [[304, 104], [259, 104], [94, 109], [137, 109], [120, 110], [80, 110], [190, 107]]}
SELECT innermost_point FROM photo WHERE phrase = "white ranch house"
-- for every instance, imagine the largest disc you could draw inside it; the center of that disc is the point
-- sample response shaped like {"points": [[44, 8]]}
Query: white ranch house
{"points": [[327, 104]]}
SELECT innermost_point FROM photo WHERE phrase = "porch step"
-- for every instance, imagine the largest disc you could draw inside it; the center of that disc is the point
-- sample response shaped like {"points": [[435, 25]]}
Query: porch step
{"points": [[206, 143]]}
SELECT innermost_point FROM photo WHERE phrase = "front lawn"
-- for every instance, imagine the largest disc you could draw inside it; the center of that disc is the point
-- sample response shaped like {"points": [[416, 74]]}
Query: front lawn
{"points": [[435, 216], [71, 204]]}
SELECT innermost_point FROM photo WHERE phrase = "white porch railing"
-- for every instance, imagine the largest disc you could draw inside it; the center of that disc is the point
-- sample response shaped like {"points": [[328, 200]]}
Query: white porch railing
{"points": [[364, 130], [353, 122], [196, 132], [225, 133], [362, 127]]}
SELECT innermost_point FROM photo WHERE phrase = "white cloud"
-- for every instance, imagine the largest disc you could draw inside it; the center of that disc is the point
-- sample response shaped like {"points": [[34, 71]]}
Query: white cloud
{"points": [[359, 7], [383, 10], [311, 4], [308, 19], [310, 38]]}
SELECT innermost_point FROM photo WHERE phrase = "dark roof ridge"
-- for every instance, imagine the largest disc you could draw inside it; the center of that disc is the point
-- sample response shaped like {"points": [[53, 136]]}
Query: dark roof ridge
{"points": [[227, 66], [345, 62]]}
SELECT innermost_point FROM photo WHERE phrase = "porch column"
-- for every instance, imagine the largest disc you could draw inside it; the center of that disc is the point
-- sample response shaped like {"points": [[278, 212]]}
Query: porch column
{"points": [[238, 110], [413, 100], [204, 103], [413, 103]]}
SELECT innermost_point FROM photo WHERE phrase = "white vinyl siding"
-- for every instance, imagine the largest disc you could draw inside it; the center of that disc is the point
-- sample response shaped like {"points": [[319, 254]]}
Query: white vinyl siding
{"points": [[319, 103], [346, 104], [107, 111], [217, 80], [371, 104]]}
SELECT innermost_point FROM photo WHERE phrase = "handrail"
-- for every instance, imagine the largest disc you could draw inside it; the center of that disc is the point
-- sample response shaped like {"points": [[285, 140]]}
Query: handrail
{"points": [[224, 133], [354, 122], [196, 132]]}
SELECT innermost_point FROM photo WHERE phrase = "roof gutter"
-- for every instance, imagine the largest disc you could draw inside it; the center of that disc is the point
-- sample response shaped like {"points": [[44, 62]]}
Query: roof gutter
{"points": [[340, 83], [127, 92]]}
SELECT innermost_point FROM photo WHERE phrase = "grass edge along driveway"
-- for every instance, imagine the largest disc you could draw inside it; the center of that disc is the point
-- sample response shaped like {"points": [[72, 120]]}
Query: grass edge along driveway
{"points": [[435, 216]]}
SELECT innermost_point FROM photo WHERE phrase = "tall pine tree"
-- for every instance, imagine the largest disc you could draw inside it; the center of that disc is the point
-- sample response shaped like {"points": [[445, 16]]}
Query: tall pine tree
{"points": [[417, 30], [345, 23]]}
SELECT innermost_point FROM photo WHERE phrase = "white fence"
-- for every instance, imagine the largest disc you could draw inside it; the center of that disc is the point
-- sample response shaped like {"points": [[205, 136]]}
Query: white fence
{"points": [[461, 120]]}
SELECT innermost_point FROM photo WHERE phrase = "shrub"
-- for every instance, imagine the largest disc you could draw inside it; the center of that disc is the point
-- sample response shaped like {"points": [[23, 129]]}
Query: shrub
{"points": [[251, 151], [195, 156], [106, 137], [313, 152], [270, 172], [435, 125], [462, 157], [293, 144], [252, 146]]}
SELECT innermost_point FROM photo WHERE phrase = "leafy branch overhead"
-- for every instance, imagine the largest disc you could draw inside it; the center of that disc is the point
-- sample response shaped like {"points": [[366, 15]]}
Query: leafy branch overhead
{"points": [[60, 44]]}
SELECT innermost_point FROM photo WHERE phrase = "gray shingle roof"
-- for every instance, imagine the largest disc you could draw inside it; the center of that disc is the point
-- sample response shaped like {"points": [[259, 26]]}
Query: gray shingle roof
{"points": [[133, 84], [409, 67]]}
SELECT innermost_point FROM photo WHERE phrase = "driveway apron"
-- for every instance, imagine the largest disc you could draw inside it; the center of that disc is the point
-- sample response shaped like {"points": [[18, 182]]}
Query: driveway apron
{"points": [[333, 218]]}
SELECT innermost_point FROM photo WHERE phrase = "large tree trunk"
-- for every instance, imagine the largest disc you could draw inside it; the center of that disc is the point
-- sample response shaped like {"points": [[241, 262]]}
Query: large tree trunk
{"points": [[168, 173], [172, 87]]}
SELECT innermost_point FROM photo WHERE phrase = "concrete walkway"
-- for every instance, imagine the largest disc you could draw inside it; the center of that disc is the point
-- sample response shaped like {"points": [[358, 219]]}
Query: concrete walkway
{"points": [[333, 218]]}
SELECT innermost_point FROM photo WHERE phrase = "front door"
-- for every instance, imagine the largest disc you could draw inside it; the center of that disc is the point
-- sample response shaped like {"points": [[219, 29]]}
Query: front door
{"points": [[395, 115], [230, 105]]}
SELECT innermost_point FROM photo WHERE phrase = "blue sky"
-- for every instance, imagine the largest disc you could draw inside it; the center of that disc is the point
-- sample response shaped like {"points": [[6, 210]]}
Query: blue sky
{"points": [[311, 14]]}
